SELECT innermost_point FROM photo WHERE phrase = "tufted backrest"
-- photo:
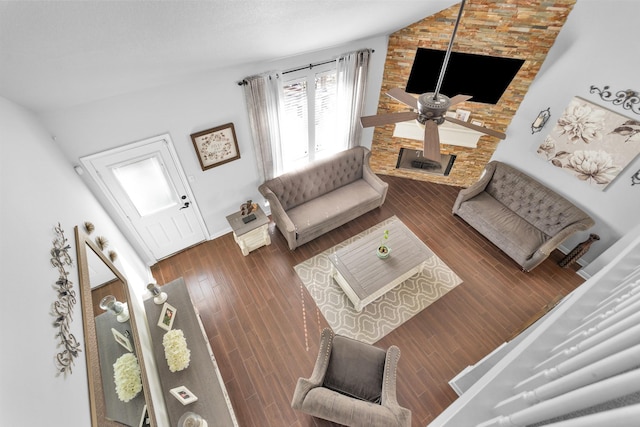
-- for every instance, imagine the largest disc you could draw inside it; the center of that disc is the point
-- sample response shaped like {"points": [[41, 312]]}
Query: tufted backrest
{"points": [[318, 178], [538, 205]]}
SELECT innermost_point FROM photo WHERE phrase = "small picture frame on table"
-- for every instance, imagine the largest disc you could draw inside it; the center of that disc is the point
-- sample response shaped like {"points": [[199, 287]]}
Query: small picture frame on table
{"points": [[145, 420], [122, 340], [463, 115], [216, 146], [183, 395], [167, 316]]}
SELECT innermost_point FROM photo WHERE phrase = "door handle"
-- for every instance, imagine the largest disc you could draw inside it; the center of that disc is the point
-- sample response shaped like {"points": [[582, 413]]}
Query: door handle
{"points": [[186, 204]]}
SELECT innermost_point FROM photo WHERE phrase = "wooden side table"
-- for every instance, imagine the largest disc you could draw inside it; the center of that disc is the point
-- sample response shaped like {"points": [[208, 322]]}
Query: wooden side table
{"points": [[252, 235]]}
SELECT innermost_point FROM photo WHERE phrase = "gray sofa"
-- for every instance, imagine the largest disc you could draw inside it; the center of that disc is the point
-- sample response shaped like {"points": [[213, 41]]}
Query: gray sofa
{"points": [[521, 216], [323, 195]]}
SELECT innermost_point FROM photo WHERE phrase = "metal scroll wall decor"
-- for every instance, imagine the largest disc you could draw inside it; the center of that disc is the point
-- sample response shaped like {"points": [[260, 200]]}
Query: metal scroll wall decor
{"points": [[629, 99], [62, 308]]}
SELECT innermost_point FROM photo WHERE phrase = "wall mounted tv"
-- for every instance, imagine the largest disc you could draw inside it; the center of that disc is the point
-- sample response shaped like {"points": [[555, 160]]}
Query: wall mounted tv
{"points": [[481, 76]]}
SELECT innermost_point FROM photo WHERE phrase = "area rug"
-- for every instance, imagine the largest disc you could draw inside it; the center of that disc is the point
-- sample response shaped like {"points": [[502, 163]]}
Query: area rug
{"points": [[387, 312]]}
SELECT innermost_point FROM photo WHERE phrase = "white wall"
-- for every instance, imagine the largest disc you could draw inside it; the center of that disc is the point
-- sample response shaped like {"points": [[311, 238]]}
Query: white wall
{"points": [[39, 188], [201, 103], [593, 48]]}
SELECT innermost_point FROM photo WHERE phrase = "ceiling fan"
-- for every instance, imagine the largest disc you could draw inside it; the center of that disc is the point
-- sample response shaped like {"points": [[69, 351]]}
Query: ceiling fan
{"points": [[431, 109]]}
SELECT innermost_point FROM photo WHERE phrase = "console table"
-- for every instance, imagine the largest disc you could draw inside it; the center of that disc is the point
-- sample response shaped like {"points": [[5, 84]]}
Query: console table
{"points": [[202, 377]]}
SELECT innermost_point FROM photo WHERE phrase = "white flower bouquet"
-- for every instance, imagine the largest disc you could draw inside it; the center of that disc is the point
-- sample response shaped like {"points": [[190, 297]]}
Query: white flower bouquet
{"points": [[126, 373], [175, 350]]}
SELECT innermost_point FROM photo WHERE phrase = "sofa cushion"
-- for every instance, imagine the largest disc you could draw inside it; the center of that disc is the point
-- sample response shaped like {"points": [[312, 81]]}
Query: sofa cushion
{"points": [[502, 226], [531, 200], [355, 369], [321, 212], [320, 177]]}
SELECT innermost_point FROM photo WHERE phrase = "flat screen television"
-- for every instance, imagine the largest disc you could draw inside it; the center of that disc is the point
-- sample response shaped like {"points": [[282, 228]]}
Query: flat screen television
{"points": [[482, 76]]}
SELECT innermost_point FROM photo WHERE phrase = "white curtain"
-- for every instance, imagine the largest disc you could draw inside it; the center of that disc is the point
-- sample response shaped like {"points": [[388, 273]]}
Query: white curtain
{"points": [[262, 94], [352, 69]]}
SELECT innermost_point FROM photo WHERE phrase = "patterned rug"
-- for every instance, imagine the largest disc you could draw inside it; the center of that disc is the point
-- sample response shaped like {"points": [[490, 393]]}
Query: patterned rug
{"points": [[384, 314]]}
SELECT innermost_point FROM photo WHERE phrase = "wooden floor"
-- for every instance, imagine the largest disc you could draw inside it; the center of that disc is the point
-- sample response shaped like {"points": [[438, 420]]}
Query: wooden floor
{"points": [[252, 308]]}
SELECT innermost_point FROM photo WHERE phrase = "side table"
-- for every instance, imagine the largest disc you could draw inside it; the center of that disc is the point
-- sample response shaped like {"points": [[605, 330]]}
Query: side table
{"points": [[252, 235]]}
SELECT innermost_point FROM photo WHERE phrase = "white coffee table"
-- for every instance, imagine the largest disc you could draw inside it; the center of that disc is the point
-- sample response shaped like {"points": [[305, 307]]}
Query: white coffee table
{"points": [[364, 277]]}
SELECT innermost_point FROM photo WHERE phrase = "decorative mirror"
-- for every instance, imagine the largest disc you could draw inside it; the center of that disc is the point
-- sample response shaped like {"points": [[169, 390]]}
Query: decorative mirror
{"points": [[118, 384]]}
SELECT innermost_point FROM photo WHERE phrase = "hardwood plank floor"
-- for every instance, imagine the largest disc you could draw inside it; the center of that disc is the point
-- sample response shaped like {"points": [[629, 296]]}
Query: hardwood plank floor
{"points": [[252, 308]]}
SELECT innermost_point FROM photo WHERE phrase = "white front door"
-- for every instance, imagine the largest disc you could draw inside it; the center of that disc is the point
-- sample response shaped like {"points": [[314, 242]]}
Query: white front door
{"points": [[146, 184]]}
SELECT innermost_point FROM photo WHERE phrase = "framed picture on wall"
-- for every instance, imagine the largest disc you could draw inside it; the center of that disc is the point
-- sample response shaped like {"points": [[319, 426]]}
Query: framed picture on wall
{"points": [[592, 143], [216, 146], [145, 421], [167, 316]]}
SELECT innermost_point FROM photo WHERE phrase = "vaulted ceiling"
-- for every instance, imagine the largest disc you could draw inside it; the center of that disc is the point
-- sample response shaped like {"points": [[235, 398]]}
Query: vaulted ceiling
{"points": [[55, 54]]}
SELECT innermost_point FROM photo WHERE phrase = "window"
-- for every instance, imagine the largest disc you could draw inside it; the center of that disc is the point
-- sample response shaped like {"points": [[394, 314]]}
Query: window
{"points": [[308, 120], [304, 115]]}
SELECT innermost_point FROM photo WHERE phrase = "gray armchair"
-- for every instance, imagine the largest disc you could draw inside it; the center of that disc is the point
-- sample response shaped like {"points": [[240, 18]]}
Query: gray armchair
{"points": [[353, 384]]}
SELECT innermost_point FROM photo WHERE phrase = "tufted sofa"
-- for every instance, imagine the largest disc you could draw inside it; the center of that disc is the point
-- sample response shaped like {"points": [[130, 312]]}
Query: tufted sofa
{"points": [[519, 215], [323, 195]]}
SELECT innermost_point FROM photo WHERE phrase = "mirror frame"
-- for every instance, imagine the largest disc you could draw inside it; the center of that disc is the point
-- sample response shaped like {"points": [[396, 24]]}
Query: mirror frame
{"points": [[94, 377]]}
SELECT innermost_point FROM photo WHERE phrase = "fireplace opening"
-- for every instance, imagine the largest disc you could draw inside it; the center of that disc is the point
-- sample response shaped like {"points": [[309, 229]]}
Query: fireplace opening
{"points": [[414, 161]]}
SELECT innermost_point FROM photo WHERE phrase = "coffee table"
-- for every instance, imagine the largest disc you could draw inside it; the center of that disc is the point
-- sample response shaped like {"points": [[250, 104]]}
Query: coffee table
{"points": [[364, 277]]}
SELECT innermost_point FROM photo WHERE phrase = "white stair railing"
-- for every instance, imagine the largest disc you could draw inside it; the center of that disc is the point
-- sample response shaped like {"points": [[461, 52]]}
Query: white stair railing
{"points": [[579, 366], [575, 400], [597, 371]]}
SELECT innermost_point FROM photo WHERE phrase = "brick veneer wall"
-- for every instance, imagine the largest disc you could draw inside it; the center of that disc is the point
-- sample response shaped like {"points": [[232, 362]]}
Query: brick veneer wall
{"points": [[524, 29]]}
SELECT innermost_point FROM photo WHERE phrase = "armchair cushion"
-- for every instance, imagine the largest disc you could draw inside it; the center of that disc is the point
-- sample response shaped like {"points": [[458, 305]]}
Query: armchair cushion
{"points": [[355, 369], [313, 397]]}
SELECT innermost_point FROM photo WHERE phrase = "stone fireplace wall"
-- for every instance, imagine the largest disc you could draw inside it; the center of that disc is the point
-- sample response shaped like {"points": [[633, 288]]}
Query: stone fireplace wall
{"points": [[524, 29]]}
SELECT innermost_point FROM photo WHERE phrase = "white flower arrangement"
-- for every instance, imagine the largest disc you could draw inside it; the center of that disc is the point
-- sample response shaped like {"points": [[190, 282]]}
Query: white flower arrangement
{"points": [[126, 373], [175, 350]]}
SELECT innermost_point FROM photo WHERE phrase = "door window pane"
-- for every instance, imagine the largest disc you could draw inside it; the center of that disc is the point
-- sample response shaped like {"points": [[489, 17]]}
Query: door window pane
{"points": [[146, 185]]}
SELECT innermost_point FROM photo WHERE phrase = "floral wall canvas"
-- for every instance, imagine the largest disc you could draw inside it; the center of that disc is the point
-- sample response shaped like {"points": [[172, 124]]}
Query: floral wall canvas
{"points": [[592, 143]]}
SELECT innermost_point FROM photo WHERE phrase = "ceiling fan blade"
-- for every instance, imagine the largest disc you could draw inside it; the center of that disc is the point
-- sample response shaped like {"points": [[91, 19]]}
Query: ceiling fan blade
{"points": [[478, 128], [386, 119], [404, 97], [431, 147], [460, 98]]}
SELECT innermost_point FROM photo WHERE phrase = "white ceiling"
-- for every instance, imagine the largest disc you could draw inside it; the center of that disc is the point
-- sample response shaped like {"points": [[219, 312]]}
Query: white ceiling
{"points": [[56, 54]]}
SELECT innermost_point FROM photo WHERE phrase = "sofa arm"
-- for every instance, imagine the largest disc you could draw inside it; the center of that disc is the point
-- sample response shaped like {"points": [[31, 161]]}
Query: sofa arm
{"points": [[476, 188], [372, 179], [305, 385], [279, 216], [389, 399], [550, 245]]}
